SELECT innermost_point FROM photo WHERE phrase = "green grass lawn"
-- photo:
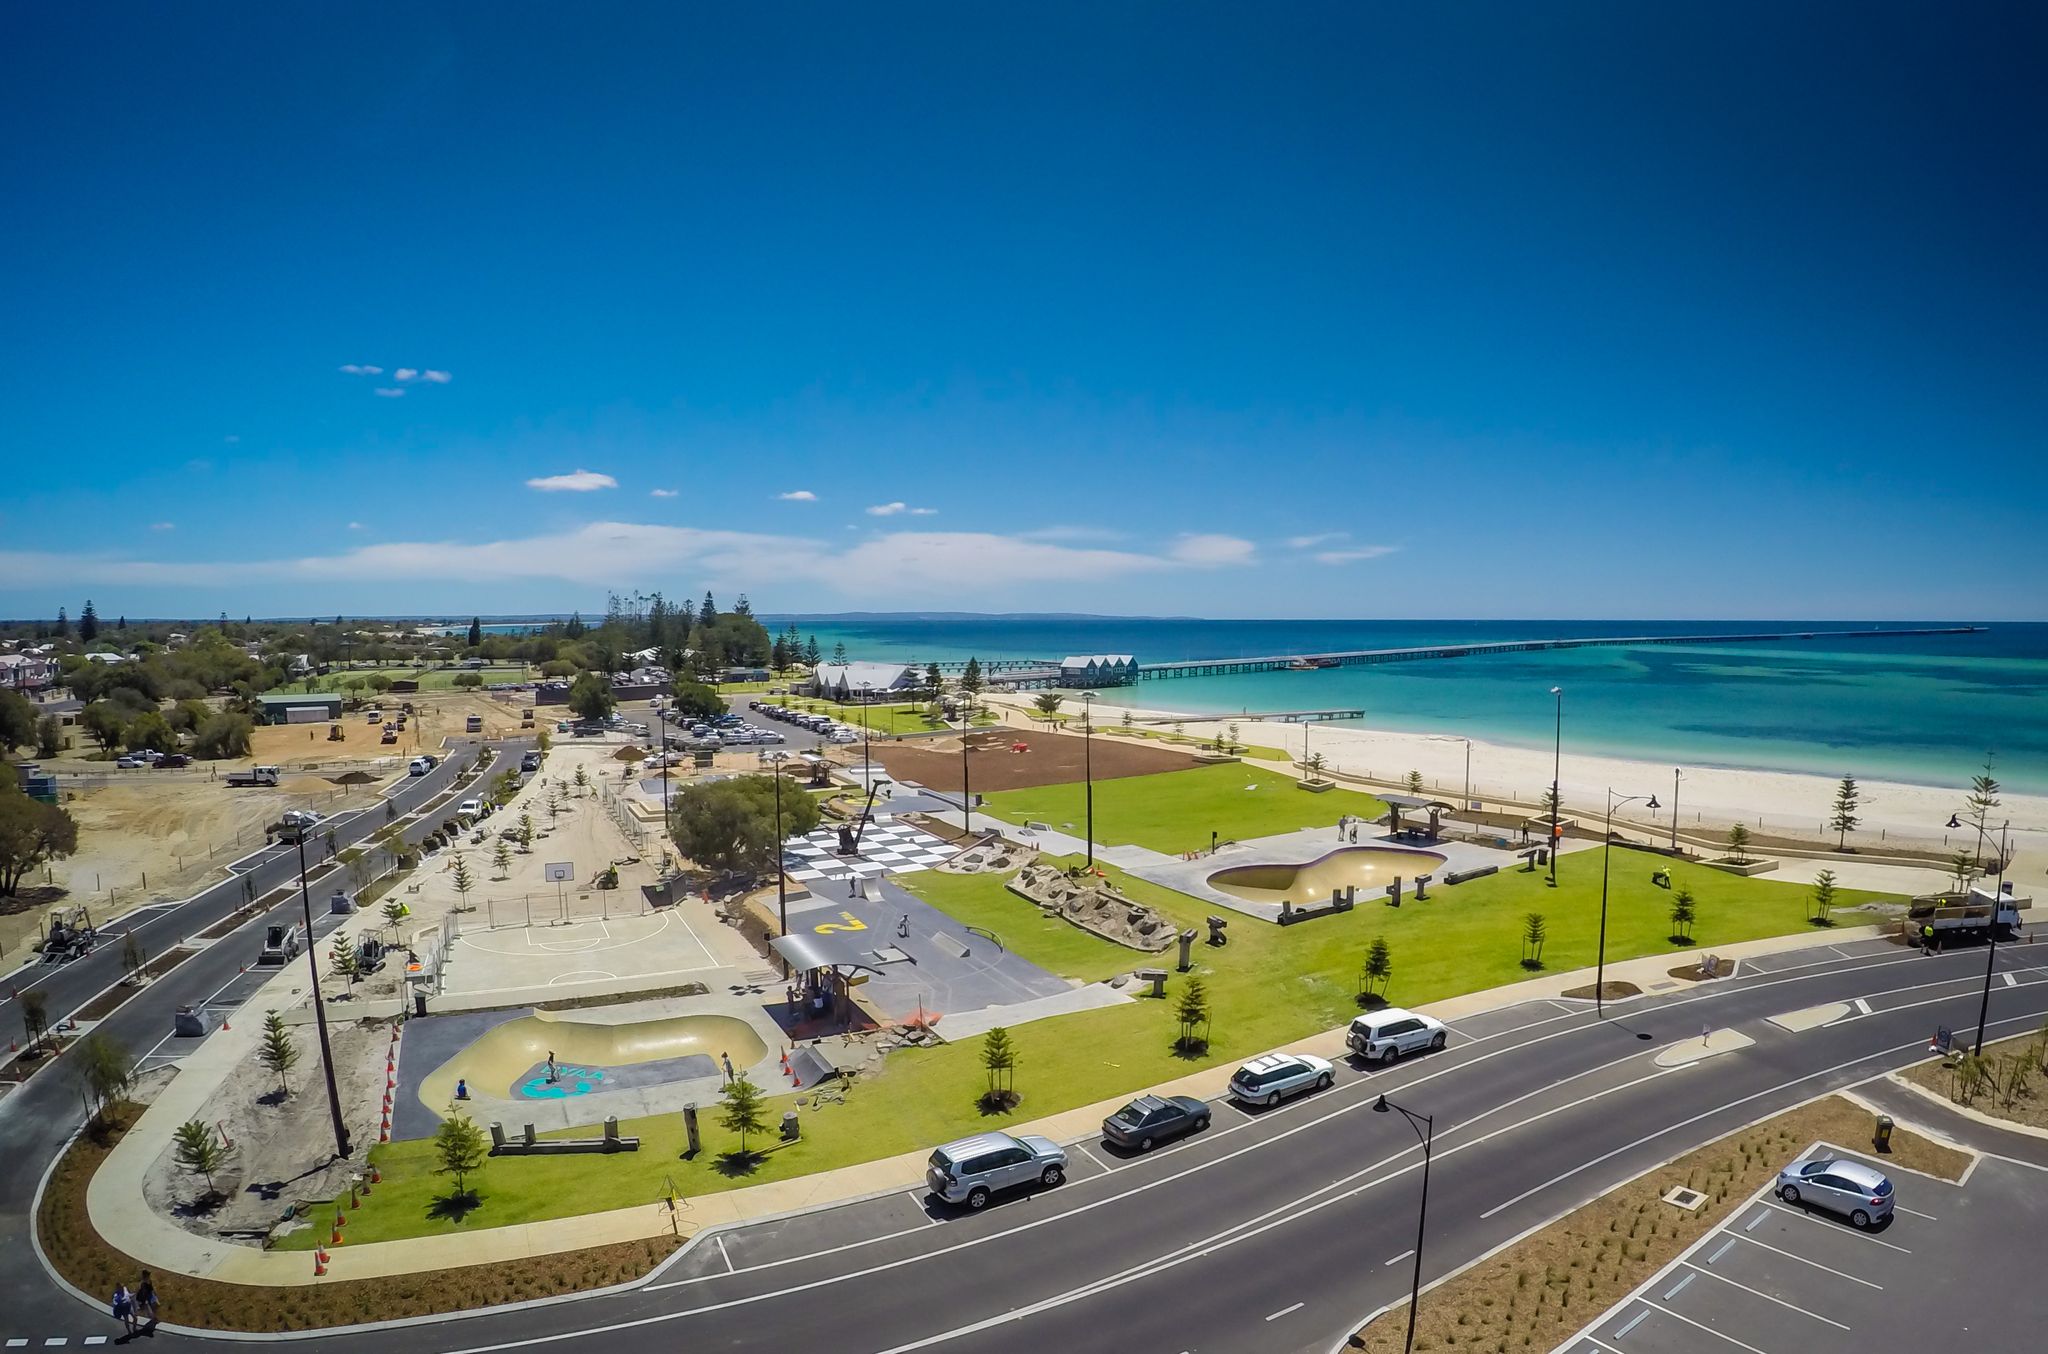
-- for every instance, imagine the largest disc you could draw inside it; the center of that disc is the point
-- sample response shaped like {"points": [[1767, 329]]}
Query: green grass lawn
{"points": [[1176, 811], [1268, 986], [431, 679], [883, 719]]}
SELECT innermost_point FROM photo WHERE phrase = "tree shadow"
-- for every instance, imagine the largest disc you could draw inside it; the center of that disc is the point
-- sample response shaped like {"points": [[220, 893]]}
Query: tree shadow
{"points": [[455, 1206], [735, 1165], [272, 1098], [1190, 1048], [998, 1102], [1820, 921], [1533, 965], [1677, 939]]}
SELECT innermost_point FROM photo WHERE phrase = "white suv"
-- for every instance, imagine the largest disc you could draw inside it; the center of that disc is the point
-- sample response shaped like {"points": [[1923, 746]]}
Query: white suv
{"points": [[1382, 1036], [1272, 1078], [968, 1170]]}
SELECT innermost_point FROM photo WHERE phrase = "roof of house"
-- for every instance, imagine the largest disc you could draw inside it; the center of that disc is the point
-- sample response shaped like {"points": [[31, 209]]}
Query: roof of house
{"points": [[856, 675], [1100, 660], [299, 698]]}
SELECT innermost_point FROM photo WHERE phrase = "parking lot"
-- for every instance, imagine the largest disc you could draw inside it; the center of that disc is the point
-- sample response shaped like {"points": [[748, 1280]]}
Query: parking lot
{"points": [[1956, 1268]]}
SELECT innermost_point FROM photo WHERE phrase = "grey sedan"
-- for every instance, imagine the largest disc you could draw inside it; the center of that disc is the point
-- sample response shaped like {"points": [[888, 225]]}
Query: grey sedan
{"points": [[1152, 1119]]}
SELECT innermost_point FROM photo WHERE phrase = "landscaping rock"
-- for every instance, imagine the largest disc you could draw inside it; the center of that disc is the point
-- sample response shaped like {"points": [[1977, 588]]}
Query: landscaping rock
{"points": [[1096, 907]]}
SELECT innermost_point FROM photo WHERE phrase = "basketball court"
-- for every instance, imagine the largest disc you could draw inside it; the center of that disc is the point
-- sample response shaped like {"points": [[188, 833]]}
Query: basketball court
{"points": [[645, 949]]}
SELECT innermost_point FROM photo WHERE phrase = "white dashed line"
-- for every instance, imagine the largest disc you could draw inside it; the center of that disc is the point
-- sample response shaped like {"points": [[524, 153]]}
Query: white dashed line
{"points": [[1399, 1258], [1285, 1310]]}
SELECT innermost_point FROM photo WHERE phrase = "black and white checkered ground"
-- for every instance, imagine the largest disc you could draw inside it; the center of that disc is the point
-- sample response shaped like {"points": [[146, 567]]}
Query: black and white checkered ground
{"points": [[885, 848]]}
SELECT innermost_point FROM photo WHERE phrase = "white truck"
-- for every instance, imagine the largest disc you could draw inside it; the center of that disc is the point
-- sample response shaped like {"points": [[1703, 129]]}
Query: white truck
{"points": [[255, 775], [1942, 917]]}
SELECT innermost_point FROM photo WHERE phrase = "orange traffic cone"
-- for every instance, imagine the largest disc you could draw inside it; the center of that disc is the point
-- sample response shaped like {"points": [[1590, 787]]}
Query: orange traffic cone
{"points": [[319, 1261], [226, 1024], [376, 1176]]}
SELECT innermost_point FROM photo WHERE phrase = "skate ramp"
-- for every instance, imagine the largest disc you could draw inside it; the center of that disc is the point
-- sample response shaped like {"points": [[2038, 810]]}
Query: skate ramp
{"points": [[510, 1061]]}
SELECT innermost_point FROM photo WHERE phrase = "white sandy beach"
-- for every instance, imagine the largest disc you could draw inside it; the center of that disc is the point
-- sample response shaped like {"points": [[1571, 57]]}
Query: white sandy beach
{"points": [[1709, 798]]}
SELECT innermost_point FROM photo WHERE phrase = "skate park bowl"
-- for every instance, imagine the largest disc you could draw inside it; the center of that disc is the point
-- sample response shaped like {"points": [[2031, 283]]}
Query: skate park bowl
{"points": [[1369, 868], [510, 1061]]}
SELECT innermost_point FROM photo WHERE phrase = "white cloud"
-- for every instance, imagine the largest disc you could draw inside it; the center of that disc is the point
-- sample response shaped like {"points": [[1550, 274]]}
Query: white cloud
{"points": [[577, 482], [163, 526], [355, 526], [924, 512], [1072, 533], [1210, 551], [801, 496], [661, 493], [358, 369], [1353, 556], [1311, 542], [888, 509], [439, 378], [405, 373], [391, 392]]}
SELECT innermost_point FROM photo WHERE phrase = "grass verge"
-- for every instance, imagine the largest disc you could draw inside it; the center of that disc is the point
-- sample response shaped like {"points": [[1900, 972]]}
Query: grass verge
{"points": [[1538, 1292], [1178, 811], [89, 1262]]}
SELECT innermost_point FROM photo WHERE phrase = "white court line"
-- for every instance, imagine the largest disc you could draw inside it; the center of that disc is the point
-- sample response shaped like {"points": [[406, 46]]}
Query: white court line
{"points": [[1861, 1236], [1754, 1292], [1285, 1310], [1789, 1255], [1708, 1329], [1402, 1256]]}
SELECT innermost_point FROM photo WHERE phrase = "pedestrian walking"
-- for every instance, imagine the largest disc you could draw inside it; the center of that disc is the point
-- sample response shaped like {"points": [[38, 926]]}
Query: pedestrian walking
{"points": [[124, 1308], [903, 925], [146, 1303], [553, 1076], [730, 1075]]}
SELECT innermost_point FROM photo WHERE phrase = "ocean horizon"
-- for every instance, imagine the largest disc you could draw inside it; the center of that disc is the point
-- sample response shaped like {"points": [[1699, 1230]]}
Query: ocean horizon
{"points": [[1920, 709]]}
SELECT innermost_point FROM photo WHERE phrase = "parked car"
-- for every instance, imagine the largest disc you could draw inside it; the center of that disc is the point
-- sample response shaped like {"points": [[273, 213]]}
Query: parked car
{"points": [[173, 760], [1272, 1078], [1152, 1119], [1858, 1192], [470, 808], [530, 762], [1383, 1036], [969, 1170], [130, 762]]}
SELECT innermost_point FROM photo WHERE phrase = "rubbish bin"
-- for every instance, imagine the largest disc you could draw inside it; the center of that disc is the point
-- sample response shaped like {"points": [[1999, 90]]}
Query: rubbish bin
{"points": [[1883, 1136], [789, 1129]]}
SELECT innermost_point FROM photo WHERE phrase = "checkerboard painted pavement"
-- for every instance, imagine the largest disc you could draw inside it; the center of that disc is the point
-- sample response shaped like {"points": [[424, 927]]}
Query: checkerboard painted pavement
{"points": [[885, 848]]}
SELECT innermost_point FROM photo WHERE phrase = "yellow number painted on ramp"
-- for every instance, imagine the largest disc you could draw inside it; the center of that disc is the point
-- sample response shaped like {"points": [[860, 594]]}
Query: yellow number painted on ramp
{"points": [[847, 922]]}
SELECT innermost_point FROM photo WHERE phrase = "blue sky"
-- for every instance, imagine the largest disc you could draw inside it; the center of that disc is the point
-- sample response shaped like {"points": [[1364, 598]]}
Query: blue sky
{"points": [[1339, 310]]}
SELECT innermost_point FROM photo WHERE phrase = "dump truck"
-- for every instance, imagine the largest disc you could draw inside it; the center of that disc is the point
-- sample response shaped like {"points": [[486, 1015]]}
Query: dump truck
{"points": [[255, 775], [1943, 917]]}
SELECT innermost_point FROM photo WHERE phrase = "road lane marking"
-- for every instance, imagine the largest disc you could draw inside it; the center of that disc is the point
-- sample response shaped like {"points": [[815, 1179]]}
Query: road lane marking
{"points": [[727, 1255], [1789, 1255], [1638, 1319], [1903, 1209], [1863, 1005], [1861, 1236], [1402, 1256], [1757, 1292], [1285, 1310], [1708, 1329], [1678, 1288]]}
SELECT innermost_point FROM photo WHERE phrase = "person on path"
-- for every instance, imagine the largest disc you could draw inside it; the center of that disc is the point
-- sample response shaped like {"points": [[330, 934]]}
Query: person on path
{"points": [[730, 1075], [553, 1076], [124, 1308], [903, 925], [146, 1303]]}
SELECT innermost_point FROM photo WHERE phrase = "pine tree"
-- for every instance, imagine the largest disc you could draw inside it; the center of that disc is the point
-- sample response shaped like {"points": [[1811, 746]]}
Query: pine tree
{"points": [[1847, 799], [811, 651], [575, 629], [839, 652], [198, 1150], [88, 623], [1738, 843], [464, 880], [744, 1112], [1535, 930], [1824, 898], [999, 1060], [394, 913], [460, 1147], [341, 957], [582, 780], [1379, 967], [707, 613], [971, 681], [743, 607], [1682, 914], [526, 833], [278, 1053], [933, 681], [1414, 782], [1192, 1011], [501, 858], [63, 624], [476, 631], [121, 624]]}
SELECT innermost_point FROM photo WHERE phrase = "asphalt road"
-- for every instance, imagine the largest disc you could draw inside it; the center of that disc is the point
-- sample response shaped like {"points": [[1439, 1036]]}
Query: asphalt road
{"points": [[1276, 1230], [39, 1118]]}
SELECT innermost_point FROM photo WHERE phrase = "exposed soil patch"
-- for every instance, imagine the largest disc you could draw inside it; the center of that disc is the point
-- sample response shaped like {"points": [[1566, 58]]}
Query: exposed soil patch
{"points": [[1609, 991], [100, 1007], [30, 1061], [2010, 1084], [1541, 1290], [1049, 759], [88, 1261]]}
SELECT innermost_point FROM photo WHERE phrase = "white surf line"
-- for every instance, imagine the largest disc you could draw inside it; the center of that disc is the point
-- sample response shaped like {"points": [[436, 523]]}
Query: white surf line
{"points": [[1757, 1292], [1285, 1310], [1789, 1255], [1370, 1085]]}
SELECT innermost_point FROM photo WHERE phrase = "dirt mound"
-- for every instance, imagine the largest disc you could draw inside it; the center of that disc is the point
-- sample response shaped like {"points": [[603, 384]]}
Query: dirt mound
{"points": [[629, 753], [1015, 759], [354, 778], [1096, 907]]}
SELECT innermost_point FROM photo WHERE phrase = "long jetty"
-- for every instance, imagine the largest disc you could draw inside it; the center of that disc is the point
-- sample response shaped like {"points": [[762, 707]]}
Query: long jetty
{"points": [[1358, 658]]}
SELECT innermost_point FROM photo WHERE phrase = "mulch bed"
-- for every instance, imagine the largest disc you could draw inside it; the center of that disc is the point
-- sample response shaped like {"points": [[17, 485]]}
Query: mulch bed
{"points": [[1610, 991], [1053, 759], [102, 1006], [85, 1258]]}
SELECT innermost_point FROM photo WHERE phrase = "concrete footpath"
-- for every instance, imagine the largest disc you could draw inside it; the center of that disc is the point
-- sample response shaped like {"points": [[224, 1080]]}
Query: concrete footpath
{"points": [[115, 1200]]}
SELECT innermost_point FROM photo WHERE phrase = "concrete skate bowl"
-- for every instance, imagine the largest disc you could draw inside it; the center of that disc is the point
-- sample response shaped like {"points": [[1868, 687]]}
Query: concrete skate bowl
{"points": [[1370, 868], [510, 1061]]}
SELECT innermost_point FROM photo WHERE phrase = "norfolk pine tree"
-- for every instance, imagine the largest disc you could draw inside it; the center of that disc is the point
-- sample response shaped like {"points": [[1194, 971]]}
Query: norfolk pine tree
{"points": [[743, 1113], [1844, 819], [1192, 1010], [460, 1147], [999, 1060], [198, 1150], [278, 1053]]}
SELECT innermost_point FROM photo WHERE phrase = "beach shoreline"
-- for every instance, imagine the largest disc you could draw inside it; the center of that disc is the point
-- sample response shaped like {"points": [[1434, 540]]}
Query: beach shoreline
{"points": [[1709, 798]]}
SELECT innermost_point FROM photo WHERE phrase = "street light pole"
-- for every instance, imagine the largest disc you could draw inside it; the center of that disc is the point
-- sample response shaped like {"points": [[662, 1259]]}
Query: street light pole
{"points": [[1468, 774], [781, 882], [1675, 778], [1556, 777], [1991, 955], [1425, 1129], [867, 738], [966, 791], [320, 1009], [1606, 850], [1088, 768]]}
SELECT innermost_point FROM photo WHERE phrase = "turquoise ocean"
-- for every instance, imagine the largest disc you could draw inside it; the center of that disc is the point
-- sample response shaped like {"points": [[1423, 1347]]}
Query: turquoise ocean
{"points": [[1920, 709]]}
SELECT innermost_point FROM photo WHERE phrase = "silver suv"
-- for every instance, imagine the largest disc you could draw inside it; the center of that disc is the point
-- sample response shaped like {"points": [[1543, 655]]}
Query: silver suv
{"points": [[1383, 1036], [971, 1169]]}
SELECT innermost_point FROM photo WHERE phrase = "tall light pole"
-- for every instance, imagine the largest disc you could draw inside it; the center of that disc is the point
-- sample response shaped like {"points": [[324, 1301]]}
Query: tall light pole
{"points": [[320, 1008], [1991, 955], [966, 792], [1556, 777], [1088, 768], [1606, 850], [1676, 776], [662, 716], [1425, 1129], [867, 739], [1468, 774], [781, 882]]}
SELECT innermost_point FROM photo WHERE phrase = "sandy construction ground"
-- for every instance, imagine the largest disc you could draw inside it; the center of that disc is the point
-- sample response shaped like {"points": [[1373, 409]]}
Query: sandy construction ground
{"points": [[1047, 759]]}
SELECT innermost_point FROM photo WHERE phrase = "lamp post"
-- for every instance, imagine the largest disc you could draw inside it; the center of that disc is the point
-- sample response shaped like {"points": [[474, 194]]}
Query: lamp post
{"points": [[661, 715], [1425, 1129], [1088, 768], [320, 1009], [1991, 954], [781, 882], [867, 738], [1676, 776], [1468, 774], [1606, 850], [966, 791], [1556, 777]]}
